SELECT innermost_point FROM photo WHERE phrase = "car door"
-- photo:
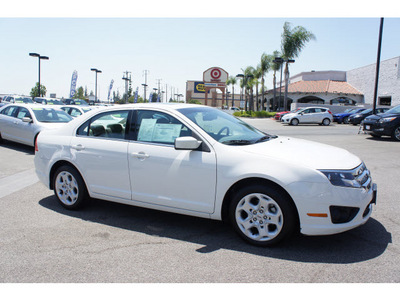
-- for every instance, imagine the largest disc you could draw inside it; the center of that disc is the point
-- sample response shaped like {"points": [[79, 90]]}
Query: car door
{"points": [[307, 115], [24, 132], [162, 175], [101, 154], [8, 117], [318, 115]]}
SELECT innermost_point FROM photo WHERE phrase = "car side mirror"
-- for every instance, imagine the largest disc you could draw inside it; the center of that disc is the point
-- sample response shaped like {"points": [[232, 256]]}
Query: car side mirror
{"points": [[26, 120], [187, 143]]}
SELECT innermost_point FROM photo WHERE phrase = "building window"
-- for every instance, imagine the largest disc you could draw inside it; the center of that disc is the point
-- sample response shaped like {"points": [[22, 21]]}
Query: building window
{"points": [[385, 101]]}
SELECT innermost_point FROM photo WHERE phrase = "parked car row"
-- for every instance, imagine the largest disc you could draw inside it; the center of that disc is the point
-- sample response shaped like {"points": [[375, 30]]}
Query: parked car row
{"points": [[384, 124], [41, 100], [357, 115]]}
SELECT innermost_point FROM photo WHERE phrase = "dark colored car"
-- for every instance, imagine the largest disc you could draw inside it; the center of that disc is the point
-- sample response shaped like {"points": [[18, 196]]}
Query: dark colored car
{"points": [[386, 124], [344, 116], [357, 118], [70, 101]]}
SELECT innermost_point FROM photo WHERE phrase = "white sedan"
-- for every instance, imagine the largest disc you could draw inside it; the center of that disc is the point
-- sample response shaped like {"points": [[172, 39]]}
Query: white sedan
{"points": [[203, 162], [22, 123], [309, 115], [76, 110]]}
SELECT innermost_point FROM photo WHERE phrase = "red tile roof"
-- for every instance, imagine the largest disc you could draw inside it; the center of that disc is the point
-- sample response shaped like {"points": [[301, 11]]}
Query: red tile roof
{"points": [[321, 87]]}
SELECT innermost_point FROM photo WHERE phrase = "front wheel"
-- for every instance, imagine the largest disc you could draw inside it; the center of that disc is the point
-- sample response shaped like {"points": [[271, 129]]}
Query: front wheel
{"points": [[396, 134], [262, 215], [69, 188], [294, 122]]}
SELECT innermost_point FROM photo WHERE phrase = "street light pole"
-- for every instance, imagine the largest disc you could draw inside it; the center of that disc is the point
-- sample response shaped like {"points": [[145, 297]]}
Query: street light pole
{"points": [[95, 92], [39, 58]]}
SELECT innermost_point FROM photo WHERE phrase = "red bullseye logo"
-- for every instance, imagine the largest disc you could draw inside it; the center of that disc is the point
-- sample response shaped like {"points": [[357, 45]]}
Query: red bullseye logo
{"points": [[215, 73]]}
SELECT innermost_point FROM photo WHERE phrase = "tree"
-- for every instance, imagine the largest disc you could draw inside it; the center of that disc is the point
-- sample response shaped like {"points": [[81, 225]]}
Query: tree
{"points": [[248, 84], [35, 91], [275, 66], [293, 41], [232, 80], [80, 94], [257, 73], [264, 66]]}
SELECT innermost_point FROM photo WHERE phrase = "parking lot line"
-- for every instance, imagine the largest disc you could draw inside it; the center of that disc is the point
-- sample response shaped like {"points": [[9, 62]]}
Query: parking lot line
{"points": [[16, 182]]}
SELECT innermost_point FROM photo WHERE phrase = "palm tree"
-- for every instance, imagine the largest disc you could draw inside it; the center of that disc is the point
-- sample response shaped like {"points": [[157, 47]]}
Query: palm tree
{"points": [[248, 85], [265, 65], [293, 41], [257, 75], [232, 81], [275, 66]]}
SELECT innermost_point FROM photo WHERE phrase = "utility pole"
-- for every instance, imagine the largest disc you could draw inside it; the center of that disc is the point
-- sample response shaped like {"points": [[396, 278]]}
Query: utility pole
{"points": [[159, 83], [127, 78]]}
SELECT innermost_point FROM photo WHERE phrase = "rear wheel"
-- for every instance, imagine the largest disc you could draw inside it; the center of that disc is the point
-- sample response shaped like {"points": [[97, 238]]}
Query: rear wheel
{"points": [[262, 215], [69, 188], [396, 134], [326, 122]]}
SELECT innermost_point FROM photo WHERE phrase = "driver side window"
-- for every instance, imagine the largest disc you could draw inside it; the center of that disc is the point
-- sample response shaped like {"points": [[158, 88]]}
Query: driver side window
{"points": [[158, 127]]}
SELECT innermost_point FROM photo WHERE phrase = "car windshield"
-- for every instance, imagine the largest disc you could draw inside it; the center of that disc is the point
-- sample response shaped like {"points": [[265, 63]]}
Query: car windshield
{"points": [[223, 127], [366, 111], [394, 110], [50, 115], [54, 102], [23, 100], [80, 102]]}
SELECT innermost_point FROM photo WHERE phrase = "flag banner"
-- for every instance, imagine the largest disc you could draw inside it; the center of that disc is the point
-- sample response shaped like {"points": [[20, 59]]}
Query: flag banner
{"points": [[136, 95], [151, 97], [73, 84], [109, 90]]}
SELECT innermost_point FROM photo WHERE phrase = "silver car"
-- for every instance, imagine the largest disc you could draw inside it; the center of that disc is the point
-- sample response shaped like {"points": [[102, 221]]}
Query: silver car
{"points": [[22, 123], [309, 115]]}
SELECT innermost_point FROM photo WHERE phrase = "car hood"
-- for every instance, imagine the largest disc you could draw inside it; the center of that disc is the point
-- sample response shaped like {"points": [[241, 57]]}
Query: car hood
{"points": [[289, 115], [307, 153], [382, 115]]}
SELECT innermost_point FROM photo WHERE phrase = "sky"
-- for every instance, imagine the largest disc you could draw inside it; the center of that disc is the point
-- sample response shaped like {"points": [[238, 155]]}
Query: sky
{"points": [[176, 45]]}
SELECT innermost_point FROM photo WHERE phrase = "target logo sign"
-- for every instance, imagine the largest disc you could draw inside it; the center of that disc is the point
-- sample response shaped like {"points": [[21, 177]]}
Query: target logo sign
{"points": [[215, 74]]}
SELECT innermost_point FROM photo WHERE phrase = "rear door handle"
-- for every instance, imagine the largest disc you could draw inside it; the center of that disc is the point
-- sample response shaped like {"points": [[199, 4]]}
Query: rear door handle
{"points": [[78, 147]]}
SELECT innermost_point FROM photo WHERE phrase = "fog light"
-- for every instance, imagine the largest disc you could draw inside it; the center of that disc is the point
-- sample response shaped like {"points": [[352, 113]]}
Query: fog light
{"points": [[342, 214]]}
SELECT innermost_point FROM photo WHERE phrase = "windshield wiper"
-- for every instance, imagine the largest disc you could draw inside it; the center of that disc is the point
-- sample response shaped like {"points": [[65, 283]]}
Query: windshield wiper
{"points": [[266, 137], [237, 142]]}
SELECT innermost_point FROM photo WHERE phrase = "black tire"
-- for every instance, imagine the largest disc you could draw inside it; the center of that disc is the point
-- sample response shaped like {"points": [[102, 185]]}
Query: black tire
{"points": [[269, 214], [396, 134], [294, 122], [376, 136], [346, 120], [326, 122], [69, 188], [1, 139]]}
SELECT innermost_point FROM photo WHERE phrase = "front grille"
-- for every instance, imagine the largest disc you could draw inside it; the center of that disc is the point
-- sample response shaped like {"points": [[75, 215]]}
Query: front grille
{"points": [[363, 176]]}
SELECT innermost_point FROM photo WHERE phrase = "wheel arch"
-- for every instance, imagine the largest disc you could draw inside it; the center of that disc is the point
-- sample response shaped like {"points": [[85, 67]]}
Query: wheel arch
{"points": [[59, 164], [253, 181]]}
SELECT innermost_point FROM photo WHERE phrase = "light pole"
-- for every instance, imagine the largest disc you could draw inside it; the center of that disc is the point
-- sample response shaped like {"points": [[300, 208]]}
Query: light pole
{"points": [[39, 58], [95, 92], [144, 87]]}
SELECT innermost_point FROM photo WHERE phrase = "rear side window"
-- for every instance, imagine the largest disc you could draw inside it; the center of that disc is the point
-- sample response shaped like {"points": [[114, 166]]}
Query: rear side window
{"points": [[9, 111], [106, 125]]}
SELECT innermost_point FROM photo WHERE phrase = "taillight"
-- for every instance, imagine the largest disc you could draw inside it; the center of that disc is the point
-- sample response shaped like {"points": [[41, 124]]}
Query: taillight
{"points": [[329, 112]]}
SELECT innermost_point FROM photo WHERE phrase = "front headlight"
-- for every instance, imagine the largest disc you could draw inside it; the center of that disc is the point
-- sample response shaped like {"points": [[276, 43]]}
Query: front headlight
{"points": [[341, 178], [356, 178], [384, 120]]}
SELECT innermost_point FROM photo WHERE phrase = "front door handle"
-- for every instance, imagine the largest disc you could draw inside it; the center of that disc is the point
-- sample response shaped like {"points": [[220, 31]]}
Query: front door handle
{"points": [[78, 147], [141, 155]]}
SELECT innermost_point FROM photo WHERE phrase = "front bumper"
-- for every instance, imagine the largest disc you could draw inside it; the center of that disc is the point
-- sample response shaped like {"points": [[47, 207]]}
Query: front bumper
{"points": [[377, 128], [335, 209]]}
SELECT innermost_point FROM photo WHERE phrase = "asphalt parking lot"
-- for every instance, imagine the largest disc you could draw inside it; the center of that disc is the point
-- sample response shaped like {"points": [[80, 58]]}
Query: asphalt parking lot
{"points": [[107, 242]]}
